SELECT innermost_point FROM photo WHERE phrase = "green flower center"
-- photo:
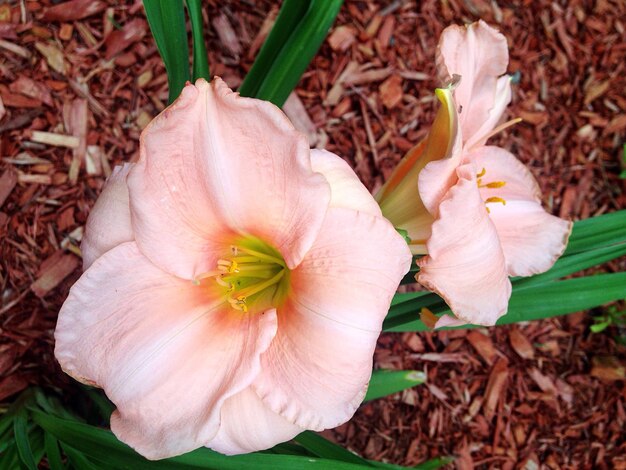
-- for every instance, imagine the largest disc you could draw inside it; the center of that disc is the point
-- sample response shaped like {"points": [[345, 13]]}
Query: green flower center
{"points": [[252, 275]]}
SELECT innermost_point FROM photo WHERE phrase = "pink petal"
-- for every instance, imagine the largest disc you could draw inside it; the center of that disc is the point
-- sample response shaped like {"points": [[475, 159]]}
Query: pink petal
{"points": [[346, 190], [410, 197], [316, 370], [108, 224], [465, 264], [502, 166], [167, 352], [502, 100], [260, 169], [479, 54], [400, 202], [448, 320], [174, 214], [531, 238], [215, 163], [439, 175], [248, 426]]}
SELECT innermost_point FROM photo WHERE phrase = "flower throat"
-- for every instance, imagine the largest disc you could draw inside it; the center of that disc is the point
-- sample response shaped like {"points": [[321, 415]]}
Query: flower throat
{"points": [[253, 275]]}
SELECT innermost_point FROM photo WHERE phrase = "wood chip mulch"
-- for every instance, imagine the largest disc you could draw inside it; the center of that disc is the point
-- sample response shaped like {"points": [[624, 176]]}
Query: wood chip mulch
{"points": [[80, 80]]}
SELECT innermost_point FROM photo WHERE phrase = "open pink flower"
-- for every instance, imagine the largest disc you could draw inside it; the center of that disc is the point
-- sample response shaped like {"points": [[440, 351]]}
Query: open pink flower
{"points": [[235, 283], [486, 220]]}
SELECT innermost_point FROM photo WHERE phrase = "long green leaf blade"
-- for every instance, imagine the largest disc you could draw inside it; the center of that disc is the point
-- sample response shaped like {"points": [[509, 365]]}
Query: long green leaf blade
{"points": [[573, 263], [589, 234], [434, 464], [53, 453], [594, 241], [80, 461], [550, 300], [596, 232], [167, 23], [24, 450], [9, 457], [321, 447], [200, 68], [101, 445], [290, 15], [298, 51], [386, 382]]}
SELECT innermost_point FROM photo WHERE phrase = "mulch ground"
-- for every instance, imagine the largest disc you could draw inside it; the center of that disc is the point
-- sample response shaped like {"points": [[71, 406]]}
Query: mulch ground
{"points": [[78, 85]]}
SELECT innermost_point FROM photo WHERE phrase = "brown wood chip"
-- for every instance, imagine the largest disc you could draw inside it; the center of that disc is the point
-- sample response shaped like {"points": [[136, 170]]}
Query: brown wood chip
{"points": [[8, 180], [54, 273]]}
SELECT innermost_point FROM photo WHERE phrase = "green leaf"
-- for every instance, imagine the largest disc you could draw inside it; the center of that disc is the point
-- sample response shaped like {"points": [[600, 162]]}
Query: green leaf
{"points": [[321, 447], [102, 446], [548, 300], [599, 327], [6, 422], [589, 234], [297, 52], [573, 263], [291, 12], [20, 430], [80, 461], [53, 454], [9, 457], [434, 464], [49, 404], [103, 405], [597, 232], [200, 59], [404, 234], [167, 23], [593, 241], [386, 382], [288, 448]]}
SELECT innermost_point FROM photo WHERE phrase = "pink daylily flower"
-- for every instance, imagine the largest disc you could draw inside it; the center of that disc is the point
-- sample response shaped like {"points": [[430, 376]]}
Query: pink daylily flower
{"points": [[235, 282], [487, 222]]}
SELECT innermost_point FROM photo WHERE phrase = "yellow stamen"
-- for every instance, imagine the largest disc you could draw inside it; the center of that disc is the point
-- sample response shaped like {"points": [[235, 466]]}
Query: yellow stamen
{"points": [[220, 280], [494, 200], [238, 304], [250, 277], [255, 267], [263, 256], [229, 266], [493, 184], [206, 275], [255, 289]]}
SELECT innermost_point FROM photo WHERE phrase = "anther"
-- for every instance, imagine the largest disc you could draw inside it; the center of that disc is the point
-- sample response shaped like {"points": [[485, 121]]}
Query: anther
{"points": [[223, 283], [482, 173], [492, 185], [239, 303], [494, 200]]}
